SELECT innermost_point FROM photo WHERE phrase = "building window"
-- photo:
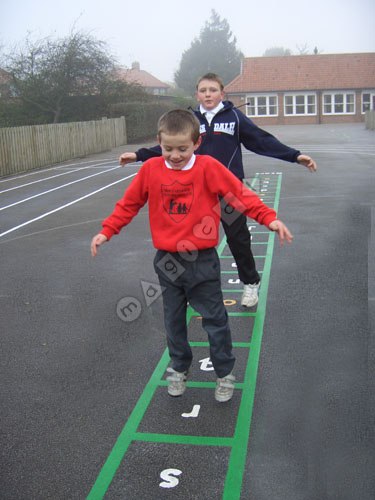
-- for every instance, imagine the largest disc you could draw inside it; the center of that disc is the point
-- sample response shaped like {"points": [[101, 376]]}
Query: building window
{"points": [[300, 104], [339, 104], [261, 105], [368, 101]]}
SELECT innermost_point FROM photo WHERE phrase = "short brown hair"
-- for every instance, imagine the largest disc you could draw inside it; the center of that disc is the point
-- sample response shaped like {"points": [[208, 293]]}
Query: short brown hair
{"points": [[211, 76], [179, 121]]}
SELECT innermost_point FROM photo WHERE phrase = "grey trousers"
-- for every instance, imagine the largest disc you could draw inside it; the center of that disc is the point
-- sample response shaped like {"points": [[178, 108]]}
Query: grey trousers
{"points": [[194, 278]]}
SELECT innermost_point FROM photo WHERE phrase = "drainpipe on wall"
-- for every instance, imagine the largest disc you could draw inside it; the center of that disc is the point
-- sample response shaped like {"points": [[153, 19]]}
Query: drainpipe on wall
{"points": [[319, 106]]}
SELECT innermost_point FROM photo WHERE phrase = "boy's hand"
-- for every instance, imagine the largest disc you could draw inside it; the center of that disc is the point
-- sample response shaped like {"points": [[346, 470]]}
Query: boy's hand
{"points": [[127, 158], [97, 240], [308, 162], [281, 229]]}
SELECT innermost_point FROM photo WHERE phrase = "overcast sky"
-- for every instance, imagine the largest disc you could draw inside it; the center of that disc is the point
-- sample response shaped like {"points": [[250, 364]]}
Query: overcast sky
{"points": [[156, 33]]}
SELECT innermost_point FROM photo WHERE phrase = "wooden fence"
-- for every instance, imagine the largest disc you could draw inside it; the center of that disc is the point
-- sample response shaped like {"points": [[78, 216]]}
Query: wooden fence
{"points": [[31, 147]]}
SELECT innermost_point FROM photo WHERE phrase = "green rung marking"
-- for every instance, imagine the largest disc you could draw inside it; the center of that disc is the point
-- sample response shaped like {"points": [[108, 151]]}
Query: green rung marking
{"points": [[198, 344], [252, 244], [192, 383], [261, 232], [242, 314], [182, 439], [234, 313], [235, 269], [206, 344], [201, 385]]}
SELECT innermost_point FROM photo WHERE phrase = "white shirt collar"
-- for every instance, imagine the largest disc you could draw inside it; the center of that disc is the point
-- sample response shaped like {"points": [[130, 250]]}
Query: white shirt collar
{"points": [[188, 166], [209, 114]]}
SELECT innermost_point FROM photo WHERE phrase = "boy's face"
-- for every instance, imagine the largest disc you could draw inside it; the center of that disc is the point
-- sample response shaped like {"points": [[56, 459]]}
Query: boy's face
{"points": [[209, 94], [177, 149]]}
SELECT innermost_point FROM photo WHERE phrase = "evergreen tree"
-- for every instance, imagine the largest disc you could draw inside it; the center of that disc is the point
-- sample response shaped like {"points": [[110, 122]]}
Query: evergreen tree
{"points": [[214, 51]]}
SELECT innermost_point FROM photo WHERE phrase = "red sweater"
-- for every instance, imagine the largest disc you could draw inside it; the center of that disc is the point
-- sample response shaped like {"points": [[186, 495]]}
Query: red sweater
{"points": [[184, 209]]}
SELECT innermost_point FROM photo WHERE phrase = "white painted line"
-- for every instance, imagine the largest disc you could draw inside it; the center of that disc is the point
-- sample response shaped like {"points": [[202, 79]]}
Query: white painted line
{"points": [[51, 177], [50, 229], [331, 151], [56, 188], [65, 206], [54, 167]]}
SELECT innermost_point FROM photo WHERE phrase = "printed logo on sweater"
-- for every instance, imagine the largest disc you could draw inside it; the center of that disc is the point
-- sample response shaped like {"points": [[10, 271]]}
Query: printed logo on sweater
{"points": [[220, 128], [177, 199], [225, 128]]}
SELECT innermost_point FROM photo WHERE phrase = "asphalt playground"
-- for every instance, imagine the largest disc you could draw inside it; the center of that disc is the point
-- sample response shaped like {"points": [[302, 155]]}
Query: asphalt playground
{"points": [[83, 403]]}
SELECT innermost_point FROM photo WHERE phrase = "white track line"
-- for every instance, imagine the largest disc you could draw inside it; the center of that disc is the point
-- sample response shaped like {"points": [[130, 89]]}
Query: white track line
{"points": [[55, 167], [64, 206], [56, 188], [51, 177], [330, 151], [50, 229]]}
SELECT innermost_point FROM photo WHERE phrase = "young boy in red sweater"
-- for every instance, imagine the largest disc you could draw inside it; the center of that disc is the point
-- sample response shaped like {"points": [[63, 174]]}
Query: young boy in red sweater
{"points": [[183, 190]]}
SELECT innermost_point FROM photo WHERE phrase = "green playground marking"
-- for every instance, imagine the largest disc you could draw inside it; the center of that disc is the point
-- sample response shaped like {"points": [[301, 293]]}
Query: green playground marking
{"points": [[183, 439], [239, 441]]}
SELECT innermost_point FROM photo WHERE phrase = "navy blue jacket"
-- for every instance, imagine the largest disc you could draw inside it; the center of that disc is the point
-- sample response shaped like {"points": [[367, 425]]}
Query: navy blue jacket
{"points": [[223, 138]]}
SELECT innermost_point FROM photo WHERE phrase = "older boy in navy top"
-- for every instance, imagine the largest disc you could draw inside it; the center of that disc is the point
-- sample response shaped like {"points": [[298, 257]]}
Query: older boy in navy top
{"points": [[223, 129]]}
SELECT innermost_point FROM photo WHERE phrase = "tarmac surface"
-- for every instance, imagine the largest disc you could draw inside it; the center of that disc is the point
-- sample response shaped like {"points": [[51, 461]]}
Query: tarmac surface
{"points": [[84, 409]]}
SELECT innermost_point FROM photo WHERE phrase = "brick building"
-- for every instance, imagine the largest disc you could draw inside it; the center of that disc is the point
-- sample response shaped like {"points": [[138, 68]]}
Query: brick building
{"points": [[308, 89], [137, 75]]}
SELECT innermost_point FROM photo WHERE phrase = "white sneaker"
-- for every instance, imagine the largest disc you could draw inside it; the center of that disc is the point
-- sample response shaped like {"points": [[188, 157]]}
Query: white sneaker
{"points": [[250, 295], [224, 388], [176, 382]]}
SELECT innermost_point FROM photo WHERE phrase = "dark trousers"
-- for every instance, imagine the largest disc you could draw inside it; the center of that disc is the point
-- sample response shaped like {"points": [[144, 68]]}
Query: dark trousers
{"points": [[239, 241], [197, 282]]}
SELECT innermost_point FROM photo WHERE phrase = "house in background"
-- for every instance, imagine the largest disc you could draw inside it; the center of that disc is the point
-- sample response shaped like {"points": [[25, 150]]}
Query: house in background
{"points": [[308, 89], [137, 75]]}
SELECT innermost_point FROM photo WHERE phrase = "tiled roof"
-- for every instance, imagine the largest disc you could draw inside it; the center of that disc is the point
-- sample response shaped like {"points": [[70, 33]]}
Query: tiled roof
{"points": [[312, 72], [141, 77]]}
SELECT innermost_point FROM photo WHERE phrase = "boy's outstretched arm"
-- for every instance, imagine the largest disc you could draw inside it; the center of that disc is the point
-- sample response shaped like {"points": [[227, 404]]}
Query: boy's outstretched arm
{"points": [[142, 154], [308, 162], [97, 240], [126, 158], [282, 231]]}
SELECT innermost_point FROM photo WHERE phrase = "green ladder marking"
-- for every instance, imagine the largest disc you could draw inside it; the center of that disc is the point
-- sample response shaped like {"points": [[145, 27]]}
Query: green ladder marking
{"points": [[238, 443]]}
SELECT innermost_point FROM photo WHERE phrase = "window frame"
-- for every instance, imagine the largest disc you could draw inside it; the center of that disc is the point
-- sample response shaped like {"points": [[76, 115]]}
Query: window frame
{"points": [[371, 93], [306, 104], [335, 102], [267, 105]]}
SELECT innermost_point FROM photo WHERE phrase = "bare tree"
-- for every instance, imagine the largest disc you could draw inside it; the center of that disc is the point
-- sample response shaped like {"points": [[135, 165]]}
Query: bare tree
{"points": [[302, 49], [47, 72]]}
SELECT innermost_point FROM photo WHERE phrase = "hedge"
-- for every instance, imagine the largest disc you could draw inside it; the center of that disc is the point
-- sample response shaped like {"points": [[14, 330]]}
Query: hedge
{"points": [[141, 117]]}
